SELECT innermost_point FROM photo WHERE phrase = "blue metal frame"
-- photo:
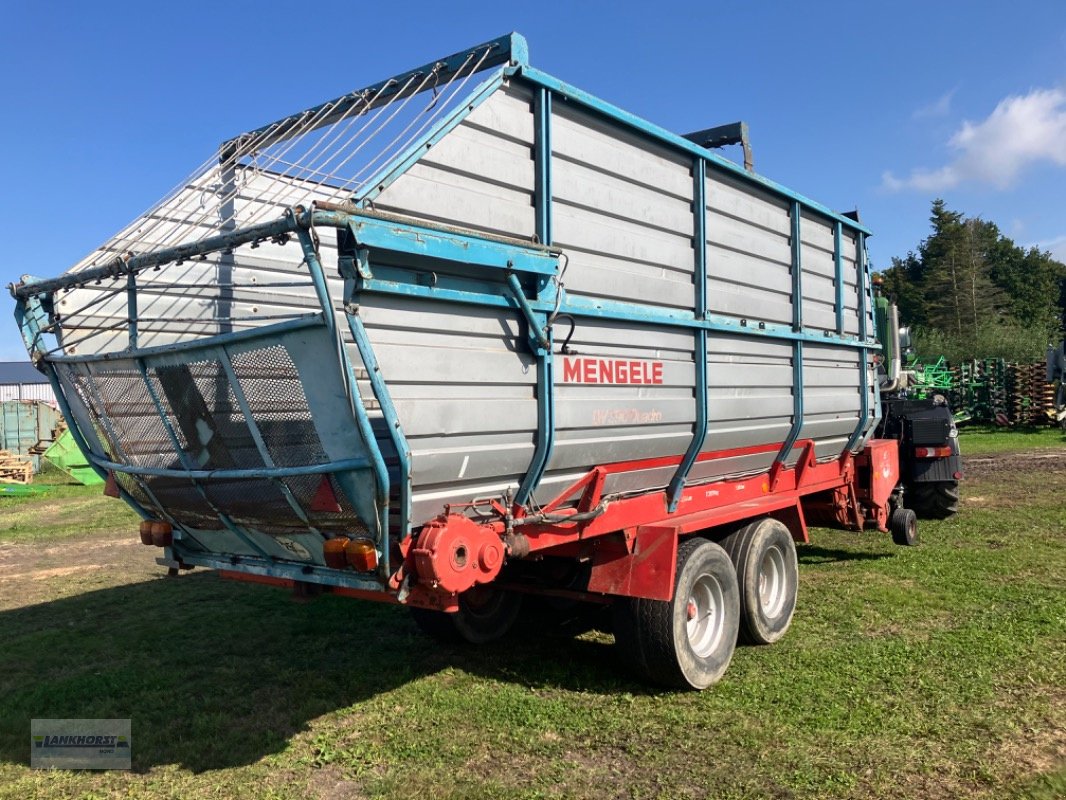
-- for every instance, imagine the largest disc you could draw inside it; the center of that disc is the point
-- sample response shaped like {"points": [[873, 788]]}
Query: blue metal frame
{"points": [[797, 345], [865, 303], [699, 246], [838, 275], [540, 333], [269, 567]]}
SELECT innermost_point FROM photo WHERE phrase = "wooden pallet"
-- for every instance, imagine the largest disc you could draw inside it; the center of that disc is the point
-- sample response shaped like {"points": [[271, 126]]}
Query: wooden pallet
{"points": [[15, 468]]}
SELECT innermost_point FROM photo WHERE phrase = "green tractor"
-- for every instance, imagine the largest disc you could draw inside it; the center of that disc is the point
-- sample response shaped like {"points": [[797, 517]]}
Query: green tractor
{"points": [[929, 458], [1056, 371]]}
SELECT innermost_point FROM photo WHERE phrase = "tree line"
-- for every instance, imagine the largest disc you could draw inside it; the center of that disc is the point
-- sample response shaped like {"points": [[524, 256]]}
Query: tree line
{"points": [[971, 292]]}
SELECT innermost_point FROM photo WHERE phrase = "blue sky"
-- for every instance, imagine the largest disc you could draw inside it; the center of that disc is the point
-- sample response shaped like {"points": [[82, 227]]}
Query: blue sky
{"points": [[883, 106]]}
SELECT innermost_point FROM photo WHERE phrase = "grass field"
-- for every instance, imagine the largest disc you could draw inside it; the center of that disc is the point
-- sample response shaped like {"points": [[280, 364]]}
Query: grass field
{"points": [[929, 672]]}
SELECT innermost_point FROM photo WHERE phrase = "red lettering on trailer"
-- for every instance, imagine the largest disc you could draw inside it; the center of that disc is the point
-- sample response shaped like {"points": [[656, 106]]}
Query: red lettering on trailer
{"points": [[611, 370], [571, 370]]}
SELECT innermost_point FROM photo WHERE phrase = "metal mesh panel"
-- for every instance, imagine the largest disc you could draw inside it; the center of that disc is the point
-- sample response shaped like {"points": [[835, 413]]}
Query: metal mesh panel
{"points": [[184, 503], [276, 397], [206, 419], [141, 437], [136, 491], [205, 415]]}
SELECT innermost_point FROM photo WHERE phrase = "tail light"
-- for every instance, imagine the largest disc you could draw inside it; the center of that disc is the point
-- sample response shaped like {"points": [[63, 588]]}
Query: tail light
{"points": [[333, 552], [162, 534]]}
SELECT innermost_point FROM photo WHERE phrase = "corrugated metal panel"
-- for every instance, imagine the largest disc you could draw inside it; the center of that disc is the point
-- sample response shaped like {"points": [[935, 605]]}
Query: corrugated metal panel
{"points": [[28, 391], [480, 176], [621, 210]]}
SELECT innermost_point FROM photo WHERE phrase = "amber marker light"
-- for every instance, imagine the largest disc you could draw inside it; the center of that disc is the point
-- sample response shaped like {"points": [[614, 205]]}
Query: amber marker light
{"points": [[162, 534], [362, 555], [333, 552], [146, 531]]}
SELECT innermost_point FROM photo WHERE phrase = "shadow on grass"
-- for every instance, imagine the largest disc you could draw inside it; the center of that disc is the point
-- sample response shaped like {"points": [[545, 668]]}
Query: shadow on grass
{"points": [[215, 674], [813, 554]]}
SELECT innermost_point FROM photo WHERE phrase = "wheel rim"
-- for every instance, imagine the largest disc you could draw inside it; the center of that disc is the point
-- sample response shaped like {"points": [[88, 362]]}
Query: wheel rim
{"points": [[705, 612], [772, 581]]}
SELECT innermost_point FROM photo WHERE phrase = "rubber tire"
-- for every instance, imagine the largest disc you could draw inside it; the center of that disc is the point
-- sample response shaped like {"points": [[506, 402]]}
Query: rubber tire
{"points": [[747, 549], [934, 500], [652, 636], [485, 614], [904, 527]]}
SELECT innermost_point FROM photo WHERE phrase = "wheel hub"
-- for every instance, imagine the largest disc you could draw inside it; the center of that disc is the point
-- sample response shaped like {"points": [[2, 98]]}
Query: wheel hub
{"points": [[704, 618], [772, 588]]}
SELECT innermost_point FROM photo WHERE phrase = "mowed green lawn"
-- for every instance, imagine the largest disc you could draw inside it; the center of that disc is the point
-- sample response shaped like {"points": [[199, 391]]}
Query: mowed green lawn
{"points": [[929, 672]]}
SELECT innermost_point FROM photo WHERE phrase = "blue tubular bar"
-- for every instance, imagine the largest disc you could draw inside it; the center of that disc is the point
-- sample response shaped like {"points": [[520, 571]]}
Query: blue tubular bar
{"points": [[226, 474], [511, 49], [540, 334], [601, 309], [797, 345], [536, 332], [318, 279], [864, 353], [392, 421], [304, 321], [838, 272], [381, 471], [699, 244]]}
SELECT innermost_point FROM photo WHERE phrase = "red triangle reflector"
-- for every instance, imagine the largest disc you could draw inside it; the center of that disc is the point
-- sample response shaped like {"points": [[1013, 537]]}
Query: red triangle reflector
{"points": [[111, 487], [325, 501]]}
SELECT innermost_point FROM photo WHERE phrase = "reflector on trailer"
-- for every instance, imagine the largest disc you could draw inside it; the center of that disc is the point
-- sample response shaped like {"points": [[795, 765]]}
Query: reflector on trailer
{"points": [[932, 452], [325, 499], [111, 486]]}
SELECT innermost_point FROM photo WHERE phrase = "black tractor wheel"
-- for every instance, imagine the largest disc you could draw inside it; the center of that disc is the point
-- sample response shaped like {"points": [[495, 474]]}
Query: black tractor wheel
{"points": [[686, 642], [764, 555], [903, 525], [485, 614], [934, 500]]}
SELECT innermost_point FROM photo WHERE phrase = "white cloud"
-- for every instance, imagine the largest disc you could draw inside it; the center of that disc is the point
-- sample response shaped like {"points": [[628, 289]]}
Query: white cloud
{"points": [[940, 107], [1023, 130], [1057, 246]]}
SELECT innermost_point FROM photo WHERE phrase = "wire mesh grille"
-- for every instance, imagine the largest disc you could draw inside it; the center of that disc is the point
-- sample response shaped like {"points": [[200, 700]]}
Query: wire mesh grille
{"points": [[205, 420], [272, 386]]}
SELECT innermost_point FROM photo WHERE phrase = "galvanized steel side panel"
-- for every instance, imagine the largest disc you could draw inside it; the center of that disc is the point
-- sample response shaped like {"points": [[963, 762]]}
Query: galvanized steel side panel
{"points": [[621, 210], [480, 176], [463, 388]]}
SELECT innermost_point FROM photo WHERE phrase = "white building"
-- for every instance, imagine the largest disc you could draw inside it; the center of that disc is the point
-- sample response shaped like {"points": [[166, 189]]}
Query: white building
{"points": [[19, 380]]}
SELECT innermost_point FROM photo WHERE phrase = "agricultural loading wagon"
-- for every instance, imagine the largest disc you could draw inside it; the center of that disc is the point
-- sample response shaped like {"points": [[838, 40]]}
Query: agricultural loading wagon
{"points": [[472, 334]]}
